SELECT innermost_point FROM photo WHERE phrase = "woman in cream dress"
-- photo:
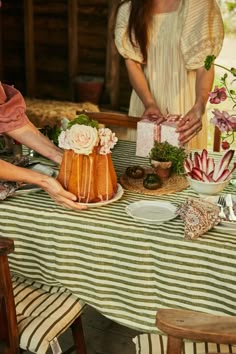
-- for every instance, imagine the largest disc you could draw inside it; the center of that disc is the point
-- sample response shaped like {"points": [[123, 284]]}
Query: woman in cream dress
{"points": [[167, 72]]}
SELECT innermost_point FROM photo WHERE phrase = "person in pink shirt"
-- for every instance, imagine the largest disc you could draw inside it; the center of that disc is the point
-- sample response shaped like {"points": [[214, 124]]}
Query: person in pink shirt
{"points": [[15, 123]]}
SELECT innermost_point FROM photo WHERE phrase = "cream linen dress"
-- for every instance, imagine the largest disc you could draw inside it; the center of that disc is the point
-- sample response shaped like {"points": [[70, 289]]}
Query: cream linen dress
{"points": [[179, 44]]}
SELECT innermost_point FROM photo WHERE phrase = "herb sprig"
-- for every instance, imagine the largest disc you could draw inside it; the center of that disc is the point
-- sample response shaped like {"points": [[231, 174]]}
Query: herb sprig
{"points": [[165, 152]]}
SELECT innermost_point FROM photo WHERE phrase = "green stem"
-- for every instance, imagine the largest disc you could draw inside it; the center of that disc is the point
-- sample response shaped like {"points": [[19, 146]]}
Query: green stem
{"points": [[228, 90], [223, 67], [227, 136]]}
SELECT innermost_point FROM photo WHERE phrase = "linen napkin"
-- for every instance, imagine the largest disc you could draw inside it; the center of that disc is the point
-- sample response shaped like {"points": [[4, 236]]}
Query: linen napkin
{"points": [[8, 188], [198, 216]]}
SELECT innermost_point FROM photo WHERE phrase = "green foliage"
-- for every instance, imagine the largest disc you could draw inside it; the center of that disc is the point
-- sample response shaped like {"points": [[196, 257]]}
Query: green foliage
{"points": [[83, 119], [209, 61], [231, 6], [166, 152], [51, 132]]}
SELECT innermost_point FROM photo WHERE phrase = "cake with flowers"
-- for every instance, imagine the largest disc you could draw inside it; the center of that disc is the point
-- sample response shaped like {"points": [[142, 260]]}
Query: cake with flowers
{"points": [[87, 169]]}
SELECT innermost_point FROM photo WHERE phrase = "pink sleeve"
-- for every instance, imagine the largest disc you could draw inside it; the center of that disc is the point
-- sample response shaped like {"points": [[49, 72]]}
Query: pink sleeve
{"points": [[12, 109]]}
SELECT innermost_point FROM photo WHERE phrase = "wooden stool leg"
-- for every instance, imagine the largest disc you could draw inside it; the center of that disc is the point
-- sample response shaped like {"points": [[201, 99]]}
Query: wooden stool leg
{"points": [[78, 336], [174, 345]]}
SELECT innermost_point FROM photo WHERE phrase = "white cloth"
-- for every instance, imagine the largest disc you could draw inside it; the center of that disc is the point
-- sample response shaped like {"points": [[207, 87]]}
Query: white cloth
{"points": [[179, 43]]}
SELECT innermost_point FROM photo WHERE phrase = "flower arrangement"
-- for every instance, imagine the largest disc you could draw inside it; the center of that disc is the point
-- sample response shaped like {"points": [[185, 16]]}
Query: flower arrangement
{"points": [[82, 135], [222, 119]]}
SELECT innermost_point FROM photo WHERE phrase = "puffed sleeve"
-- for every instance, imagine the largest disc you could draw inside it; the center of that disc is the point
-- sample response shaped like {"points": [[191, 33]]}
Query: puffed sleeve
{"points": [[203, 32], [12, 109], [122, 42]]}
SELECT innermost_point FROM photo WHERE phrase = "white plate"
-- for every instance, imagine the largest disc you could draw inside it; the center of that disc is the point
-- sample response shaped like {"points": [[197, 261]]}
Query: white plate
{"points": [[116, 197], [151, 212]]}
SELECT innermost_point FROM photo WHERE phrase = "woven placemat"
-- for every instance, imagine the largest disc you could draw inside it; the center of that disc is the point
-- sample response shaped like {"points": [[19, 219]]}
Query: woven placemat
{"points": [[173, 184]]}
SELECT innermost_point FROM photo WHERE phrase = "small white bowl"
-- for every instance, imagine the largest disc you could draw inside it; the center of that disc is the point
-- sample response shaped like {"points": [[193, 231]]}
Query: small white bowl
{"points": [[207, 188]]}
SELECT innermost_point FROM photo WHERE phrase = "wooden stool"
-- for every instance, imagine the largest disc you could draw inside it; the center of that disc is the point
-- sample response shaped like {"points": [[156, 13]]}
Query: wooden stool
{"points": [[196, 326]]}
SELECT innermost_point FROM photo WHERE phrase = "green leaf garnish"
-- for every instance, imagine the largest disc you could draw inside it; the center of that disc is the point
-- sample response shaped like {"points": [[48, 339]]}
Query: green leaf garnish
{"points": [[83, 119]]}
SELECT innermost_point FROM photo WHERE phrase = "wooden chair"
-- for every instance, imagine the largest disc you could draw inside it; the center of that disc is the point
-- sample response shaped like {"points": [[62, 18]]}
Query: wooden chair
{"points": [[195, 326], [16, 326], [112, 118]]}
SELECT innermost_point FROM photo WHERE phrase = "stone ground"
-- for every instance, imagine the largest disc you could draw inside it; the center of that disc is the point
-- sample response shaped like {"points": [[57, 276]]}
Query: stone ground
{"points": [[103, 336]]}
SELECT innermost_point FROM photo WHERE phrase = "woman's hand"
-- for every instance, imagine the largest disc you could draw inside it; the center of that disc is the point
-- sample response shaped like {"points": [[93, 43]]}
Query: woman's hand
{"points": [[190, 125], [59, 194], [9, 172], [152, 112]]}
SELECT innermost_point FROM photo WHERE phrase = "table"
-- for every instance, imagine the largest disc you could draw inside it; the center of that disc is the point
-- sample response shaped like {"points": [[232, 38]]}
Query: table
{"points": [[125, 269]]}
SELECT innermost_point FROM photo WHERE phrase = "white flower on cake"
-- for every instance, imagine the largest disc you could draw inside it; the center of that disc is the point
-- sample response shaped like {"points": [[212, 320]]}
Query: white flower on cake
{"points": [[82, 135], [63, 141], [107, 140], [83, 139]]}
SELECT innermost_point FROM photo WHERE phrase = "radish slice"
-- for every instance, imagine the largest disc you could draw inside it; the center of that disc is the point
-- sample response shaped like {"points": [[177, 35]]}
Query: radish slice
{"points": [[223, 164], [197, 161], [188, 165], [197, 174], [210, 166], [223, 176], [204, 160]]}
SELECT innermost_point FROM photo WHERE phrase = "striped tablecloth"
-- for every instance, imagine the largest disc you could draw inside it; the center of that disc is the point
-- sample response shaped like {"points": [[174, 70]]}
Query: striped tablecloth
{"points": [[125, 269]]}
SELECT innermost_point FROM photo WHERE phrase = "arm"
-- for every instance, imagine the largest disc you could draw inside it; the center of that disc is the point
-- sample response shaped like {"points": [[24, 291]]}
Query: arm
{"points": [[30, 136], [66, 199], [139, 84], [191, 123]]}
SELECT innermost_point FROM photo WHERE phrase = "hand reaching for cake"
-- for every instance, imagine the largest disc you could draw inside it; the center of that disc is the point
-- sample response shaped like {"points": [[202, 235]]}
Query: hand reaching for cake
{"points": [[9, 172], [59, 194]]}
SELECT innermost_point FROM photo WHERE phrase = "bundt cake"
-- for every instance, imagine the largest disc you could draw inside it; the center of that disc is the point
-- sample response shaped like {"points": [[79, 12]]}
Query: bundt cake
{"points": [[87, 169]]}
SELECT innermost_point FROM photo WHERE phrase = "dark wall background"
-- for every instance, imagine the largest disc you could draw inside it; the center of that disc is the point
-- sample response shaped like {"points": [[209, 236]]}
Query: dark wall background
{"points": [[51, 42]]}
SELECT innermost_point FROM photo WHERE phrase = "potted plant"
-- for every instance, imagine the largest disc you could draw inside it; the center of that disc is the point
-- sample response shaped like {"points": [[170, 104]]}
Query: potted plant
{"points": [[167, 159]]}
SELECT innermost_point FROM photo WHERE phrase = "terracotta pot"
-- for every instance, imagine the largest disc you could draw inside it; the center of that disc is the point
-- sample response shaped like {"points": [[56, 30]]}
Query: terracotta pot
{"points": [[88, 89], [162, 169]]}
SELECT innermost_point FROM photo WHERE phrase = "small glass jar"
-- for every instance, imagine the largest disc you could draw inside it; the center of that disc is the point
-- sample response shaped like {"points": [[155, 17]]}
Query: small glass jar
{"points": [[17, 149]]}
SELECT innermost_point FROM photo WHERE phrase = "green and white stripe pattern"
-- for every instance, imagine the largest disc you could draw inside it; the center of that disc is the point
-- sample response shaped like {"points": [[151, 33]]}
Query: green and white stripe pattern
{"points": [[157, 344], [43, 313], [125, 269]]}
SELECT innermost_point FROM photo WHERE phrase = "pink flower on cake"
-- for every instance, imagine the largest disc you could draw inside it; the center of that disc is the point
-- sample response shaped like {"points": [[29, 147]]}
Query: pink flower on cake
{"points": [[107, 140]]}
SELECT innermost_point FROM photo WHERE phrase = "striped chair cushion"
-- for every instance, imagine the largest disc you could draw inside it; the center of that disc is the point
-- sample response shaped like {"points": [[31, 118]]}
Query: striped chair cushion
{"points": [[157, 344], [43, 313]]}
